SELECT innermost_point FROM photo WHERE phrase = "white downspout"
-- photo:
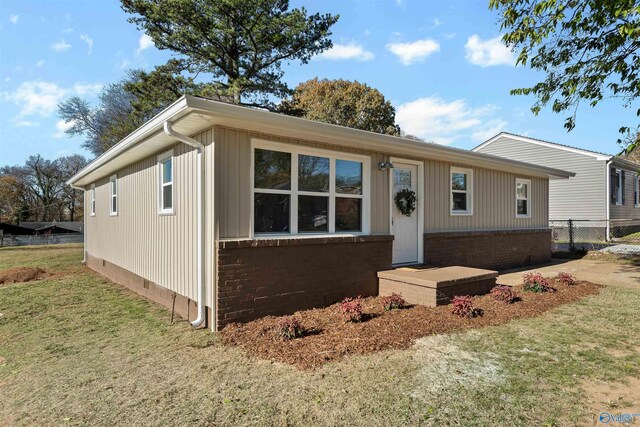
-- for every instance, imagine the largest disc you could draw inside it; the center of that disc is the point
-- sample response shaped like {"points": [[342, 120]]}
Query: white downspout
{"points": [[608, 201], [200, 218]]}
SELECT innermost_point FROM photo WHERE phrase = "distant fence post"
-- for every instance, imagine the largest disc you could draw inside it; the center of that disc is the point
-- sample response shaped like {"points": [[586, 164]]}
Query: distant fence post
{"points": [[571, 242]]}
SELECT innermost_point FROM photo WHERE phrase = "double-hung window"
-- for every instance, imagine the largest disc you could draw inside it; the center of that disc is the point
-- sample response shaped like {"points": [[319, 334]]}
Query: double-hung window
{"points": [[461, 189], [113, 195], [92, 202], [523, 198], [165, 183], [301, 191], [617, 178]]}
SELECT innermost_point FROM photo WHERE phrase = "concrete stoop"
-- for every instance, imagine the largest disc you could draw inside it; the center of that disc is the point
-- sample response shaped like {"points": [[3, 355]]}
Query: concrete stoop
{"points": [[435, 286]]}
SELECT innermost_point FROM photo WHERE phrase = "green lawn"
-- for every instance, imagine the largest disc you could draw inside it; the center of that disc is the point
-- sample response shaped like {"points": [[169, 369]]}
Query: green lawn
{"points": [[78, 350]]}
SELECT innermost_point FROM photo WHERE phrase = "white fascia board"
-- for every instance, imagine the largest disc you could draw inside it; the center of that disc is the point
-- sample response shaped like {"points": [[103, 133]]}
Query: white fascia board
{"points": [[543, 144]]}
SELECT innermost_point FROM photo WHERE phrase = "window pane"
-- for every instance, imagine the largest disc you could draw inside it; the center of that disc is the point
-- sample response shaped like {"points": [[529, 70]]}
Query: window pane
{"points": [[522, 207], [271, 213], [348, 177], [114, 204], [113, 187], [522, 190], [166, 171], [459, 201], [312, 214], [313, 173], [167, 197], [401, 180], [272, 170], [348, 214], [459, 181]]}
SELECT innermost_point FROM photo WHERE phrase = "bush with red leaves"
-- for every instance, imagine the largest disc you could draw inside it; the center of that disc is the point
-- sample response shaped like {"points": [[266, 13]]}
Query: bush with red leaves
{"points": [[351, 309], [289, 327], [535, 282], [505, 294], [393, 302], [565, 279], [463, 307]]}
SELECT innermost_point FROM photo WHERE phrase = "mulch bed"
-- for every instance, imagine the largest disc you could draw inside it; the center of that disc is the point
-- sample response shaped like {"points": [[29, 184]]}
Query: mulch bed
{"points": [[330, 338], [22, 274]]}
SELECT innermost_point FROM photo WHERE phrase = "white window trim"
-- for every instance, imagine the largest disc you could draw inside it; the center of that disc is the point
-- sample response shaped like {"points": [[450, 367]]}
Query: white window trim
{"points": [[160, 159], [296, 150], [92, 200], [468, 192], [528, 198], [620, 189], [113, 178], [637, 190]]}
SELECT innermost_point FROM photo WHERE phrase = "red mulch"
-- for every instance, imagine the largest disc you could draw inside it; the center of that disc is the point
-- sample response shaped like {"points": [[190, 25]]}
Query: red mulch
{"points": [[329, 338], [22, 274]]}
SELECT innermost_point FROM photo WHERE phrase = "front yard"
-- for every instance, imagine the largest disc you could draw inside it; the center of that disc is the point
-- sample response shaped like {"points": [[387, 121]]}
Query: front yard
{"points": [[76, 349]]}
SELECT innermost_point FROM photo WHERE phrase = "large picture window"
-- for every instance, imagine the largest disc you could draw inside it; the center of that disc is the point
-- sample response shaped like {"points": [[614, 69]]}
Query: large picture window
{"points": [[461, 184], [302, 191]]}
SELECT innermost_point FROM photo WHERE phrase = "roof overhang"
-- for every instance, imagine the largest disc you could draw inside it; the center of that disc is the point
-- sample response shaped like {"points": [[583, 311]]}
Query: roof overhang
{"points": [[626, 164], [191, 115]]}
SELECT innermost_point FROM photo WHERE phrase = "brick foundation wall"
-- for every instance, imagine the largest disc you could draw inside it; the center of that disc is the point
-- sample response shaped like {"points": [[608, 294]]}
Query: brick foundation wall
{"points": [[184, 307], [493, 249], [280, 276]]}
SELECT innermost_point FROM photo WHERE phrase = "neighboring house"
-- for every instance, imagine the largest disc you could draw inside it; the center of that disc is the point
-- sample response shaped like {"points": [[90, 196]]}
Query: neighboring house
{"points": [[15, 230], [604, 192], [54, 227], [228, 213]]}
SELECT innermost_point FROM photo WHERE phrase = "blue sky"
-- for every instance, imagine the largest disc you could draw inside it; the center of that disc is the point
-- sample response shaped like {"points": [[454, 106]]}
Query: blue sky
{"points": [[440, 63]]}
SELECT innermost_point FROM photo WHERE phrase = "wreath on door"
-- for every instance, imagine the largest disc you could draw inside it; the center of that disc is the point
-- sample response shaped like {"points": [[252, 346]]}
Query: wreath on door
{"points": [[406, 201]]}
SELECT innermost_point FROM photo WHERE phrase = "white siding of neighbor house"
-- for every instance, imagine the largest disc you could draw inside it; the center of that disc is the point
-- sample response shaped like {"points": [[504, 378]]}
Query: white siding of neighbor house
{"points": [[494, 191], [629, 209], [581, 197]]}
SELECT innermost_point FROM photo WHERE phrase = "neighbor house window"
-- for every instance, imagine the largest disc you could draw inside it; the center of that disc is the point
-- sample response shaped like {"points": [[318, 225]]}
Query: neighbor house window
{"points": [[461, 185], [617, 186], [523, 197], [92, 202], [113, 195], [301, 191], [165, 183], [636, 191]]}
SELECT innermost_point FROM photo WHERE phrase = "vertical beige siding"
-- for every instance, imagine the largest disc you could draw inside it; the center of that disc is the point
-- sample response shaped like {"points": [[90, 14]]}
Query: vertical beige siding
{"points": [[160, 248]]}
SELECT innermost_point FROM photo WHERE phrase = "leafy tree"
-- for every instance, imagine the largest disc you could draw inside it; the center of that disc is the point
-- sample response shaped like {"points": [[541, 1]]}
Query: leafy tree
{"points": [[343, 102], [240, 43], [587, 50], [12, 199]]}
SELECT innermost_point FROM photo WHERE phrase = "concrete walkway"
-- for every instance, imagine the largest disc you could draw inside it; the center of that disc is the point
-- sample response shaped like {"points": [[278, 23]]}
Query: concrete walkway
{"points": [[602, 272]]}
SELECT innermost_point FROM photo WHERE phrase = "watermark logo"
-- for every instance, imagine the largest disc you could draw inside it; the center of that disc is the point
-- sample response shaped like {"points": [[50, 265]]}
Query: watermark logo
{"points": [[606, 418]]}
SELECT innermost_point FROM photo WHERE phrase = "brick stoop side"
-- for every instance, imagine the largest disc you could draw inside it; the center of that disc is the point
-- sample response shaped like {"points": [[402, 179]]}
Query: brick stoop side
{"points": [[492, 249], [281, 276]]}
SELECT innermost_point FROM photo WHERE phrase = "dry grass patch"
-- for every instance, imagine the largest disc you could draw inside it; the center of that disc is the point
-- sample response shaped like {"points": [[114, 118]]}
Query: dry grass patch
{"points": [[329, 337], [22, 274]]}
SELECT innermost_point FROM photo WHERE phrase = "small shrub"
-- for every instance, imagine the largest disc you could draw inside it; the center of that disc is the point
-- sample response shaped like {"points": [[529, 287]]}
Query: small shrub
{"points": [[289, 327], [565, 279], [463, 307], [534, 282], [351, 309], [393, 302], [504, 293]]}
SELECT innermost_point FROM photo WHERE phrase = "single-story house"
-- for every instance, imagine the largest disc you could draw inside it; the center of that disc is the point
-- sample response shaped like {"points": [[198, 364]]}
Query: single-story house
{"points": [[54, 227], [603, 194], [228, 213]]}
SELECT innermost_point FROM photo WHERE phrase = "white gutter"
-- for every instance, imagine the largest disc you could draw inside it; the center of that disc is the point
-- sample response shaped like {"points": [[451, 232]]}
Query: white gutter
{"points": [[200, 218], [608, 198]]}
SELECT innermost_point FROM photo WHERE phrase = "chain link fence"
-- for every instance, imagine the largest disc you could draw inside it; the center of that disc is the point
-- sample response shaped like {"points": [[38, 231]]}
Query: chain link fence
{"points": [[579, 234], [42, 239]]}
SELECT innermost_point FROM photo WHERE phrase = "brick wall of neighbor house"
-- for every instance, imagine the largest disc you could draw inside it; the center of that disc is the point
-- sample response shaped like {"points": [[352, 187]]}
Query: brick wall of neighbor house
{"points": [[280, 276], [494, 249]]}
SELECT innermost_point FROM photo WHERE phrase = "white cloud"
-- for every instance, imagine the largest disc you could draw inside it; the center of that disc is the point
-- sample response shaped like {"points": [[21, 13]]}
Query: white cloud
{"points": [[416, 51], [40, 63], [39, 98], [145, 42], [88, 40], [61, 127], [14, 19], [487, 53], [61, 46], [449, 36], [437, 120], [67, 30], [353, 50], [436, 23]]}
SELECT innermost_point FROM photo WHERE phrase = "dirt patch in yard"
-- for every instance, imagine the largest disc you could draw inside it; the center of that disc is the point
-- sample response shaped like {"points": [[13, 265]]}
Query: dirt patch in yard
{"points": [[613, 399], [21, 274], [330, 338]]}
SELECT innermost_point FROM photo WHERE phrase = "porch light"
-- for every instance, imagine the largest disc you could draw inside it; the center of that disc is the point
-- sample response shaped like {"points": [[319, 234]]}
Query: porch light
{"points": [[385, 165]]}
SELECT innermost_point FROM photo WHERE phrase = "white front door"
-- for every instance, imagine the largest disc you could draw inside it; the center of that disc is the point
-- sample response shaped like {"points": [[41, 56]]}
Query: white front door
{"points": [[405, 229]]}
